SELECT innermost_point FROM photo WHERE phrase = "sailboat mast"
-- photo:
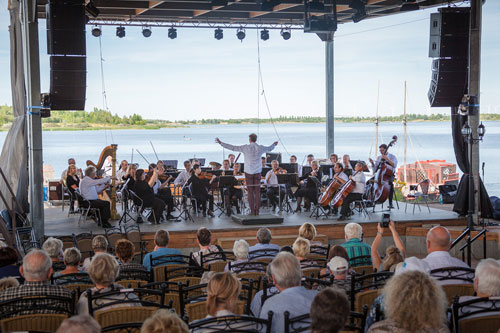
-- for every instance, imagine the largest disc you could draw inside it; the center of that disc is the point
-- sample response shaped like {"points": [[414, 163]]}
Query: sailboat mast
{"points": [[404, 124], [376, 121]]}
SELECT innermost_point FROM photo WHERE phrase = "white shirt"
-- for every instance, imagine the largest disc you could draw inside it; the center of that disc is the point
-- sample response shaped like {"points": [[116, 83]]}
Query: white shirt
{"points": [[443, 259], [273, 179], [391, 157], [120, 174], [252, 153], [359, 186], [90, 187], [182, 178]]}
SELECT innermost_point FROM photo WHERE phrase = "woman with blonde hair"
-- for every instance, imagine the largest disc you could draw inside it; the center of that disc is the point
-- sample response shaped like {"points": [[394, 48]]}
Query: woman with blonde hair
{"points": [[164, 321], [308, 231], [413, 302], [222, 294], [301, 249]]}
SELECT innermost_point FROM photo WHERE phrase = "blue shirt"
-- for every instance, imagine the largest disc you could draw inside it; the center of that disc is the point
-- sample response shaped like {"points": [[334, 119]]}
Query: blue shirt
{"points": [[252, 153], [263, 247], [296, 300], [146, 262]]}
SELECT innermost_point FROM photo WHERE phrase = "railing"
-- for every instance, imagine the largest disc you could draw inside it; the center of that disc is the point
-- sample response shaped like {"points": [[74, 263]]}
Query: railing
{"points": [[468, 243]]}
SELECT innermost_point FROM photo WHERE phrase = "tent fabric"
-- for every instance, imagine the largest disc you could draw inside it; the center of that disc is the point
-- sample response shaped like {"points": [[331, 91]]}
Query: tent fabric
{"points": [[13, 159]]}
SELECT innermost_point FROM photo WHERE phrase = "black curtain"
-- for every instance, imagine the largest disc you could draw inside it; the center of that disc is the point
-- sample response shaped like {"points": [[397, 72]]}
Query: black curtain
{"points": [[461, 154]]}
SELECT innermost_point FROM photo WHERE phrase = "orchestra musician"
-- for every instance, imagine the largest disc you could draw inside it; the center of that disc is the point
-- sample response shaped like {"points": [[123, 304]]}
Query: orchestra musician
{"points": [[90, 187], [162, 190], [263, 161], [308, 187], [347, 165], [232, 160], [64, 174], [310, 159], [215, 165], [144, 190], [252, 152], [130, 176], [338, 170], [293, 159], [392, 161], [199, 190], [333, 159], [356, 194], [72, 182], [183, 177], [236, 194], [122, 172], [273, 188], [225, 167]]}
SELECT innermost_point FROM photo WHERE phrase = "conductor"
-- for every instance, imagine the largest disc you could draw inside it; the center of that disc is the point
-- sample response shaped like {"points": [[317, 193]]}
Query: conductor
{"points": [[253, 167]]}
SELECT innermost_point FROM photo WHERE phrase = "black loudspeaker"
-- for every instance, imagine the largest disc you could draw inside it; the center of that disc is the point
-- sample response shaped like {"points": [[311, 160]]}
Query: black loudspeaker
{"points": [[66, 27], [449, 81], [68, 76]]}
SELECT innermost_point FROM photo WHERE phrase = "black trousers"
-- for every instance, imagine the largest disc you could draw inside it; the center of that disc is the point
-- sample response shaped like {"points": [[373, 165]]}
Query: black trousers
{"points": [[202, 200], [272, 194], [309, 192], [391, 193], [351, 197], [166, 195], [104, 209], [158, 206]]}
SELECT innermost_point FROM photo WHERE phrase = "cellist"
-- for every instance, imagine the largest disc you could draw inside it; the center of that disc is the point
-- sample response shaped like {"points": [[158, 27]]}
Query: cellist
{"points": [[392, 161], [356, 194], [338, 170]]}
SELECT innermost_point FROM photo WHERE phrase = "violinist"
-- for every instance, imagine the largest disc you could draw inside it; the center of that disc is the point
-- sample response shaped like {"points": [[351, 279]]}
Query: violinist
{"points": [[161, 188], [333, 159], [130, 176], [390, 159], [144, 190], [347, 165], [183, 177], [236, 194], [123, 171], [356, 194], [199, 190], [273, 188], [89, 189], [225, 167], [308, 187], [232, 160]]}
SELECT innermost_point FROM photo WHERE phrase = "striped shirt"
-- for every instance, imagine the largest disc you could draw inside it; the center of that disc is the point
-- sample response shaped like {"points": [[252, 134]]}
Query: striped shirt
{"points": [[356, 248]]}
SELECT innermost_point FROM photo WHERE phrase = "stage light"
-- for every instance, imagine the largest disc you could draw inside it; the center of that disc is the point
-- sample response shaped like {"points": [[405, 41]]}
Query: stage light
{"points": [[120, 32], [241, 34], [146, 32], [286, 34], [264, 34], [172, 33], [359, 6], [218, 34], [96, 32]]}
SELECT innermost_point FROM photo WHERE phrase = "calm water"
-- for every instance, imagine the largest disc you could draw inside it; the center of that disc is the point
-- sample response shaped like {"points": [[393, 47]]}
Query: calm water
{"points": [[429, 140]]}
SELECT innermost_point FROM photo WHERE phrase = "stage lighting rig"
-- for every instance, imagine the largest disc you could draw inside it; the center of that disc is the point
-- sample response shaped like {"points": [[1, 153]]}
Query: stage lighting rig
{"points": [[96, 32], [286, 34], [240, 33], [316, 23], [218, 34], [172, 33], [120, 32], [264, 34], [146, 32]]}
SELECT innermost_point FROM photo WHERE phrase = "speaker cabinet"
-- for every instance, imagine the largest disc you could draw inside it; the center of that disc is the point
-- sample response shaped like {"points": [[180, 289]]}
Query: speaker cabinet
{"points": [[68, 77], [449, 33], [66, 27], [449, 81]]}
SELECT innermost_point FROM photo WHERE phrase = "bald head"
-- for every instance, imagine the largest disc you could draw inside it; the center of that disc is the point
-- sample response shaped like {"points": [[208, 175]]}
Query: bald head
{"points": [[438, 239], [37, 266]]}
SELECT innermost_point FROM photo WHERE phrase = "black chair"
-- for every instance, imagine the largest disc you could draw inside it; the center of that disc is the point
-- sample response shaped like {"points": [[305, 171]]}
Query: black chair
{"points": [[26, 239], [71, 279], [247, 266], [86, 210], [268, 290], [263, 254], [133, 234], [317, 283], [140, 209], [160, 264], [364, 288], [209, 258], [461, 274], [357, 321], [235, 324], [83, 242], [37, 304], [319, 250], [113, 235], [476, 315], [58, 266], [124, 328], [297, 324], [360, 261]]}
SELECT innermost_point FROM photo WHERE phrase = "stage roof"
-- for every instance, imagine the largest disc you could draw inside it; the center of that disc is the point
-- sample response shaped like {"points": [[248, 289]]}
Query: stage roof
{"points": [[230, 12]]}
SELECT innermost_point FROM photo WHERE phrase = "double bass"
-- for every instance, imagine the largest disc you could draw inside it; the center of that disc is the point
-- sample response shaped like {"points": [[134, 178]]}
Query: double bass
{"points": [[381, 187]]}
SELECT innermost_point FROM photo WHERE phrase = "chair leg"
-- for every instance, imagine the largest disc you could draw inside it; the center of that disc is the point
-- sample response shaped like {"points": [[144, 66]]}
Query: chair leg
{"points": [[425, 199]]}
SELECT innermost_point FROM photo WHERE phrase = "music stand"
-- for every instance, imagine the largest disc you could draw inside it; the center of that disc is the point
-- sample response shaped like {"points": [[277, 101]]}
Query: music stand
{"points": [[170, 164], [290, 167], [225, 182], [306, 169], [287, 179], [325, 169], [200, 159], [273, 156], [265, 171]]}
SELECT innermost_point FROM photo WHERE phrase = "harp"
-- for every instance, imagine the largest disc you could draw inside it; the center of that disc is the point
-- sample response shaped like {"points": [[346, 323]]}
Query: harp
{"points": [[106, 152]]}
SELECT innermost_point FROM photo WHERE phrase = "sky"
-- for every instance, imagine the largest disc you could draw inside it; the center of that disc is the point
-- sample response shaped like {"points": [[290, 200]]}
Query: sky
{"points": [[196, 76]]}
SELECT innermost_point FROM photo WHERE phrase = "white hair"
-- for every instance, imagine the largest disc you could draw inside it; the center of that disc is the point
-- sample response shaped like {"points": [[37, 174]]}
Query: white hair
{"points": [[285, 268], [353, 230], [53, 247], [36, 266], [240, 249], [488, 277]]}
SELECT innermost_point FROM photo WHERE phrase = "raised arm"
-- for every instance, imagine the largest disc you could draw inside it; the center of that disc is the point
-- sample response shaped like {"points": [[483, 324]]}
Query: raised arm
{"points": [[395, 236], [228, 146], [376, 261], [269, 148]]}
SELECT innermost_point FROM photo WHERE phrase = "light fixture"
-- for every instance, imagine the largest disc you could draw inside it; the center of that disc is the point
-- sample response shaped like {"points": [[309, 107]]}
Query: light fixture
{"points": [[240, 33], [146, 32], [286, 34], [463, 108], [218, 34], [96, 32], [264, 34], [481, 130], [172, 33], [359, 6], [466, 130], [92, 9], [120, 32]]}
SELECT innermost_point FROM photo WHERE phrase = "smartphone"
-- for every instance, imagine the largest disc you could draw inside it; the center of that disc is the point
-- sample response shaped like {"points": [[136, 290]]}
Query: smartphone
{"points": [[385, 220]]}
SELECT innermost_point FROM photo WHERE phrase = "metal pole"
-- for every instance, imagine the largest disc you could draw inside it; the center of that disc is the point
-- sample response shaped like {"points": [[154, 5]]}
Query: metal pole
{"points": [[329, 67], [474, 89], [470, 211], [34, 121]]}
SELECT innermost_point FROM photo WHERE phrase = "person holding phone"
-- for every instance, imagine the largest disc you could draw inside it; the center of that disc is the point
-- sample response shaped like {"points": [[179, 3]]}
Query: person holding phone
{"points": [[393, 254]]}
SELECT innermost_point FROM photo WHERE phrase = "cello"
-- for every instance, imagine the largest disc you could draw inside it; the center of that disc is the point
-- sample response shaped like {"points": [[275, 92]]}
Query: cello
{"points": [[344, 191], [382, 177], [327, 196]]}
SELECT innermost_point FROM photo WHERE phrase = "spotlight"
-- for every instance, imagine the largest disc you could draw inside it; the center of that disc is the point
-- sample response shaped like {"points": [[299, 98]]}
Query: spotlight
{"points": [[241, 34], [96, 32], [286, 34], [120, 32], [146, 32], [359, 6], [218, 34], [264, 34], [172, 33]]}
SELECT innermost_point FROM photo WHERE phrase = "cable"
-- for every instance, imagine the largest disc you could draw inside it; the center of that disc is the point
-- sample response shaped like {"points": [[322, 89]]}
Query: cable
{"points": [[261, 83], [104, 99], [258, 84], [381, 28]]}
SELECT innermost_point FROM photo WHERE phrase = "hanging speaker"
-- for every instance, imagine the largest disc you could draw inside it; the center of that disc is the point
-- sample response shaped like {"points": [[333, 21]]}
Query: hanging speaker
{"points": [[449, 33], [66, 27], [68, 82]]}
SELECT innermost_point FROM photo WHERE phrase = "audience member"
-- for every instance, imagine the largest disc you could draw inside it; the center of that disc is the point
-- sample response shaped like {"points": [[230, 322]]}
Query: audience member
{"points": [[222, 294], [8, 282], [355, 246], [99, 245], [162, 237], [164, 321], [103, 271], [8, 263], [438, 244], [264, 238], [124, 252], [72, 259], [79, 324], [256, 304], [329, 311], [338, 267], [54, 248], [335, 251], [36, 270], [240, 250], [211, 252], [393, 254], [308, 231], [294, 298], [301, 248], [413, 302]]}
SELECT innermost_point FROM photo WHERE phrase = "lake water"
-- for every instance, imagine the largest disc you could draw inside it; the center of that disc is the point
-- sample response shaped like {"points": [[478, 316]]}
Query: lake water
{"points": [[427, 140]]}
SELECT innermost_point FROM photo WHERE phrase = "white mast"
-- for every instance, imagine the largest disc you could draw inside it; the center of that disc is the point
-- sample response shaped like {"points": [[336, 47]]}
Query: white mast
{"points": [[376, 121], [404, 124]]}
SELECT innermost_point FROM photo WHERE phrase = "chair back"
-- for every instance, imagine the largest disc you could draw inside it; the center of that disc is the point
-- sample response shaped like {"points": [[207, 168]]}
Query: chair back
{"points": [[124, 315], [486, 324], [124, 297], [311, 272], [262, 254], [297, 324], [424, 186], [368, 282], [234, 323], [247, 266], [83, 242], [212, 257], [365, 298], [38, 304], [113, 235], [453, 290], [468, 313], [356, 321], [132, 283], [360, 261], [73, 278], [133, 234], [216, 266], [123, 328], [320, 251], [255, 276], [33, 323], [458, 274], [362, 270]]}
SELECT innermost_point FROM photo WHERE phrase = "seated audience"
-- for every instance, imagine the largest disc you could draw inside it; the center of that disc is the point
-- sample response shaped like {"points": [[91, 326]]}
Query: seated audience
{"points": [[339, 268], [144, 190], [264, 238], [90, 189], [103, 271], [8, 263], [393, 254], [413, 302], [308, 231], [164, 321], [72, 259], [355, 246], [212, 252], [8, 282], [222, 294], [124, 252], [162, 237], [294, 298], [36, 270], [240, 250], [336, 251], [301, 250], [54, 248], [256, 304], [79, 324], [329, 311], [99, 245]]}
